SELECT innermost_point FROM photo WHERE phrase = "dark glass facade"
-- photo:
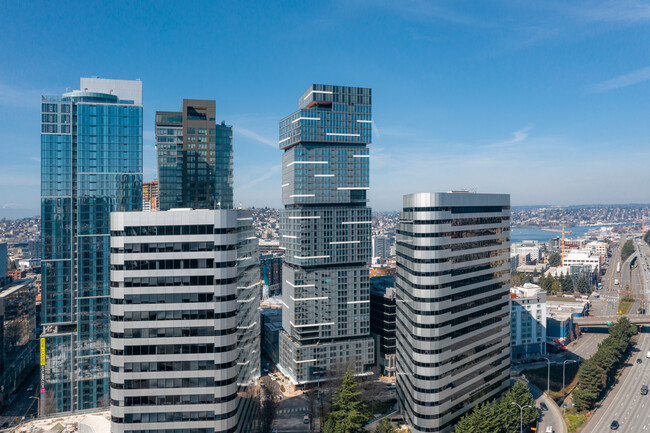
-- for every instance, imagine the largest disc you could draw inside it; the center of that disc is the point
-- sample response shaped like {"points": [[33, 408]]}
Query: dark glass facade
{"points": [[91, 165], [17, 337], [195, 158], [325, 231]]}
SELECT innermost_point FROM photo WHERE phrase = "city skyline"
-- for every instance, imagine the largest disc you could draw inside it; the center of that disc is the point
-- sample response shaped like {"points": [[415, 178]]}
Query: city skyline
{"points": [[541, 86]]}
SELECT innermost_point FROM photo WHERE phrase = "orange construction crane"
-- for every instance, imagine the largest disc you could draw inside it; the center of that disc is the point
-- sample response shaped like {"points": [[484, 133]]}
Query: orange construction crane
{"points": [[563, 233]]}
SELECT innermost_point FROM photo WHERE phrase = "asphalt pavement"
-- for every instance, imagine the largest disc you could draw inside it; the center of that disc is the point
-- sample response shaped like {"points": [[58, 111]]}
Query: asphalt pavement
{"points": [[551, 417], [21, 405], [624, 402]]}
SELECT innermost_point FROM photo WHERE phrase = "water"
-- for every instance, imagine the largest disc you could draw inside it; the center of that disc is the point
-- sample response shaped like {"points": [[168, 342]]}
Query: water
{"points": [[534, 234]]}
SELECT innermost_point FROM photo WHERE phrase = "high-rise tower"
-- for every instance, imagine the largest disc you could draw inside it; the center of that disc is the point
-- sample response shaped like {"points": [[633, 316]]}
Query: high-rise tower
{"points": [[453, 305], [195, 166], [185, 323], [325, 230], [91, 164]]}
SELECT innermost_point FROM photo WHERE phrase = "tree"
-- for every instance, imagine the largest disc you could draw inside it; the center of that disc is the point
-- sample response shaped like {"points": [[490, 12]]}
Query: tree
{"points": [[555, 260], [348, 413], [567, 283], [583, 285], [556, 287], [591, 381], [385, 426], [268, 411], [501, 416], [646, 238], [627, 250]]}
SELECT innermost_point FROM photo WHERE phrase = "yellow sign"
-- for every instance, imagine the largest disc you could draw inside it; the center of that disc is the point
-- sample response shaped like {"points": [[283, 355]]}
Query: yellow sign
{"points": [[42, 351]]}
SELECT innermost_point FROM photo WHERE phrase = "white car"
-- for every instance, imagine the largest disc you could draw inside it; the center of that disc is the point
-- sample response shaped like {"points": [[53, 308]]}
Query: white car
{"points": [[549, 429]]}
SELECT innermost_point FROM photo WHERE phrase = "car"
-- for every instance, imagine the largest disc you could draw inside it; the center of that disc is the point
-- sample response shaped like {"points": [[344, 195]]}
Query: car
{"points": [[549, 429], [30, 389], [639, 361], [614, 425], [644, 389], [306, 419], [543, 406]]}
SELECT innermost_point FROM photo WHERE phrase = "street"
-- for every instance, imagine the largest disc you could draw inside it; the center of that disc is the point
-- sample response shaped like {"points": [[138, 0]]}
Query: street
{"points": [[551, 417], [22, 404], [624, 402]]}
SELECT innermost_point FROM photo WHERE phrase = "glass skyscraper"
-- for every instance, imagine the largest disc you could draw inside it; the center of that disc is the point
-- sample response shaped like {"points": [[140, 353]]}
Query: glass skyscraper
{"points": [[91, 165], [195, 165], [326, 231]]}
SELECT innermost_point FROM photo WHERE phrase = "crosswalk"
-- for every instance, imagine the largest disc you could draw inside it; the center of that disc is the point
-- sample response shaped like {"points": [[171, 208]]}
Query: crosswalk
{"points": [[293, 409]]}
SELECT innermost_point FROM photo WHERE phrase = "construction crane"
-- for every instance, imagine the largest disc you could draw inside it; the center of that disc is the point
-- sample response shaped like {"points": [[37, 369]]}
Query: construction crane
{"points": [[563, 233]]}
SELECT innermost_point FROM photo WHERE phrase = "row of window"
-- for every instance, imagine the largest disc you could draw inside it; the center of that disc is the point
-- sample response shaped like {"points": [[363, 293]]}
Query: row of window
{"points": [[138, 316], [169, 298], [202, 331], [193, 280], [168, 400], [200, 365], [173, 247], [185, 382], [194, 229], [172, 349], [182, 430], [149, 265]]}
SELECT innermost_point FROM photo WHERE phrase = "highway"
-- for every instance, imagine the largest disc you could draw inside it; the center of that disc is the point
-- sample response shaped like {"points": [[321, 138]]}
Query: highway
{"points": [[624, 402]]}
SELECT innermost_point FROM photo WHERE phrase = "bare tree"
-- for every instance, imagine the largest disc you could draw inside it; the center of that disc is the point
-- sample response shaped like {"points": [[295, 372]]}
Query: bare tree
{"points": [[268, 411]]}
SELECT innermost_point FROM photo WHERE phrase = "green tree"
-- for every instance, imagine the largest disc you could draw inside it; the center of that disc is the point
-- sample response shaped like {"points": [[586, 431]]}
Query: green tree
{"points": [[501, 416], [555, 260], [627, 250], [567, 283], [591, 381], [556, 287], [348, 413], [583, 285], [385, 426], [646, 238]]}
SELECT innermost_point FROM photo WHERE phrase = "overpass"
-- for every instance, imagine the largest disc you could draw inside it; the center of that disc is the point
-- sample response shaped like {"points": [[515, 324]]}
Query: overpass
{"points": [[637, 319]]}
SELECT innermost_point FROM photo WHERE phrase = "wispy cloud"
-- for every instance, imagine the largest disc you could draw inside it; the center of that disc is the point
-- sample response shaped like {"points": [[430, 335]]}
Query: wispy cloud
{"points": [[517, 137], [636, 77], [17, 96], [625, 11], [269, 174], [255, 136]]}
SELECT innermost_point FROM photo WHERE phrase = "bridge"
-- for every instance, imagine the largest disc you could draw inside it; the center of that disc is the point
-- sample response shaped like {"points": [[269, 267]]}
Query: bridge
{"points": [[637, 319]]}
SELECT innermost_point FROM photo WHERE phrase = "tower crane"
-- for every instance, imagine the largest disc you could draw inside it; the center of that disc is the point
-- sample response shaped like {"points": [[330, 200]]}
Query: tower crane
{"points": [[563, 233]]}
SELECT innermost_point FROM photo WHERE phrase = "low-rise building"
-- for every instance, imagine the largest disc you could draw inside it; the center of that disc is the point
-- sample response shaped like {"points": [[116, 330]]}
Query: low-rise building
{"points": [[514, 262], [583, 257], [559, 327], [533, 248], [527, 322], [598, 248]]}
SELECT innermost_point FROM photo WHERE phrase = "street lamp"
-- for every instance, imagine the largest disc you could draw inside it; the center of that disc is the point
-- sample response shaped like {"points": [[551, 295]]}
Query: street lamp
{"points": [[521, 416], [564, 369], [38, 406], [548, 375]]}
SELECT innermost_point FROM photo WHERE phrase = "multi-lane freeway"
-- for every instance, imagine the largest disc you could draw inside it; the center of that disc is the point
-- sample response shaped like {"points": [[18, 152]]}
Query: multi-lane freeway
{"points": [[625, 403]]}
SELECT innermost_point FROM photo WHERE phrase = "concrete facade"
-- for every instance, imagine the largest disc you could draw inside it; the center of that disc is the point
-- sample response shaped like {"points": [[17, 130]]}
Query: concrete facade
{"points": [[453, 305], [185, 325]]}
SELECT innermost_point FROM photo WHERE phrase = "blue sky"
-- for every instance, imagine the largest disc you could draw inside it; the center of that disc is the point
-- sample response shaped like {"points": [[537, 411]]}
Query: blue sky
{"points": [[546, 100]]}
